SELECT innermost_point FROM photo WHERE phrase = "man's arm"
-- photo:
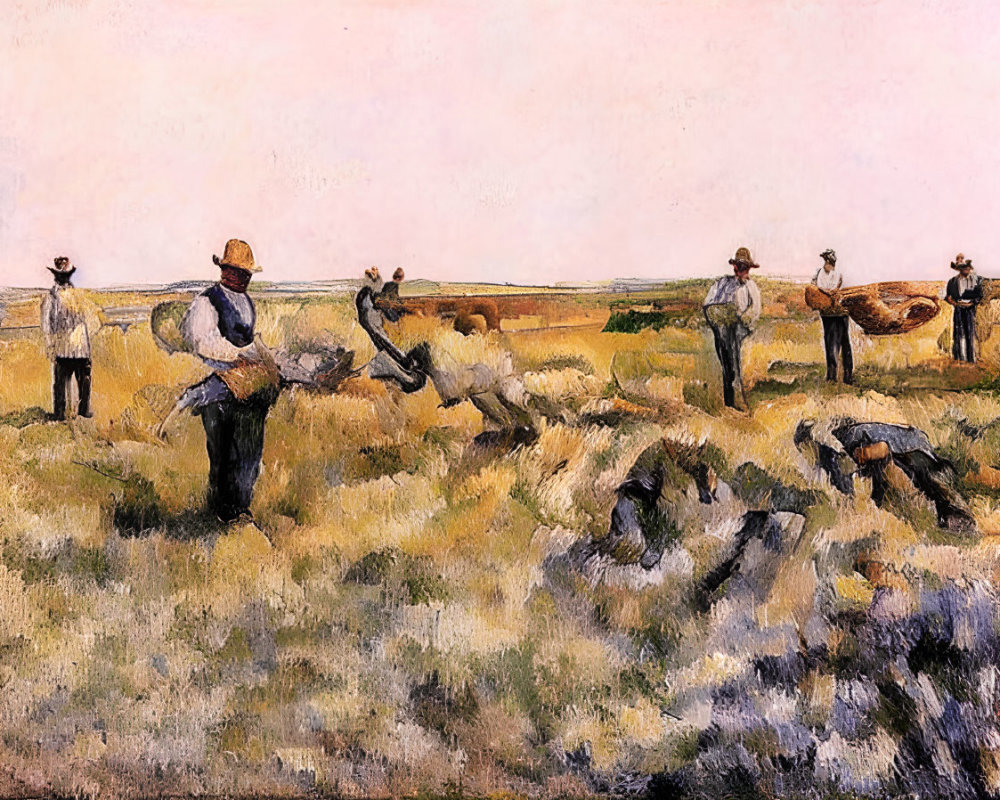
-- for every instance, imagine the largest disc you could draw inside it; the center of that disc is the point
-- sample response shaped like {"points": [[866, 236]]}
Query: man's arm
{"points": [[713, 294], [200, 329], [975, 294], [951, 292], [47, 303], [93, 315], [752, 312]]}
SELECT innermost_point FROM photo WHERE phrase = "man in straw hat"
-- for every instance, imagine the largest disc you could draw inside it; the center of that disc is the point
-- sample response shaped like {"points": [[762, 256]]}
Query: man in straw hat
{"points": [[732, 307], [836, 334], [964, 291], [219, 326], [69, 320]]}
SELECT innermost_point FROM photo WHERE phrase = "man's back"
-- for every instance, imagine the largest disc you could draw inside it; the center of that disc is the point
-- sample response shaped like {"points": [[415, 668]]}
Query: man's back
{"points": [[67, 316]]}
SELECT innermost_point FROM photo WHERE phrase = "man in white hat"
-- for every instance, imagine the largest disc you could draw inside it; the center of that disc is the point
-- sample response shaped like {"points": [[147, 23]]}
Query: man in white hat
{"points": [[965, 292], [219, 325], [69, 320], [732, 308], [836, 333]]}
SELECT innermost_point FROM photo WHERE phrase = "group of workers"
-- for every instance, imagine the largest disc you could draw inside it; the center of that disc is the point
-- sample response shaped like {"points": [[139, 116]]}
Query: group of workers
{"points": [[733, 305], [220, 328]]}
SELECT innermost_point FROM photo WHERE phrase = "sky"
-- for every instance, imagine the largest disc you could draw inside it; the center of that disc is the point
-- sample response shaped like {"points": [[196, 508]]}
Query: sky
{"points": [[525, 141]]}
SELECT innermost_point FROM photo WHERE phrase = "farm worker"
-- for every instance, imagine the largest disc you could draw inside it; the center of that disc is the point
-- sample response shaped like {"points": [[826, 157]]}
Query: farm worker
{"points": [[389, 363], [836, 337], [69, 320], [371, 318], [732, 307], [219, 326], [964, 291], [388, 299], [894, 457]]}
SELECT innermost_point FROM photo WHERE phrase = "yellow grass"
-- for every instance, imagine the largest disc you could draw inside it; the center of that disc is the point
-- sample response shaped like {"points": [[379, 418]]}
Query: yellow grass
{"points": [[217, 653]]}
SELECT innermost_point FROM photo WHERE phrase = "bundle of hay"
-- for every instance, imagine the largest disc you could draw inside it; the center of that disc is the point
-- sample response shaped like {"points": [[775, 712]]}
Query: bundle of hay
{"points": [[720, 314], [317, 366], [882, 309]]}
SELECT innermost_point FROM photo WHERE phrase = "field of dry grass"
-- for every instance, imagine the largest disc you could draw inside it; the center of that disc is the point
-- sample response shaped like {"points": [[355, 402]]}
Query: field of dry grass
{"points": [[394, 625]]}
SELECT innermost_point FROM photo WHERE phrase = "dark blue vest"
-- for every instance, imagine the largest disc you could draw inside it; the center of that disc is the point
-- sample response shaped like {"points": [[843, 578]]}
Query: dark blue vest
{"points": [[232, 325]]}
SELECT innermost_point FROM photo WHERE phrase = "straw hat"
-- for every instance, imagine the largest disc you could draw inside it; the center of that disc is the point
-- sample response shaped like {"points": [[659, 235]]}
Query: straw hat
{"points": [[239, 255], [961, 263], [743, 259]]}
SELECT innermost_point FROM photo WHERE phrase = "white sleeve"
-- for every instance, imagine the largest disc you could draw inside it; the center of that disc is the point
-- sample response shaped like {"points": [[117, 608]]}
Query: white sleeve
{"points": [[200, 328], [753, 312], [713, 293]]}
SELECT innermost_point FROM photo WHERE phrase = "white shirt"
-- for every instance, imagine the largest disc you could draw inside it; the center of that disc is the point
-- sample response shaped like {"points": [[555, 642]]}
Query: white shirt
{"points": [[68, 320], [745, 297], [828, 281], [200, 329], [964, 284]]}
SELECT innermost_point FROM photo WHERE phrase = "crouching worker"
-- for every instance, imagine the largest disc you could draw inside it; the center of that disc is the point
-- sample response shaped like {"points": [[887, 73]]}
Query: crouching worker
{"points": [[389, 363], [893, 457], [219, 326]]}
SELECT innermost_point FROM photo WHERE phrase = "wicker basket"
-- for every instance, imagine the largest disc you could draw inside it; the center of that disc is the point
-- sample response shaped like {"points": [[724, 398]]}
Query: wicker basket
{"points": [[165, 322], [722, 314], [883, 309], [876, 451], [820, 301]]}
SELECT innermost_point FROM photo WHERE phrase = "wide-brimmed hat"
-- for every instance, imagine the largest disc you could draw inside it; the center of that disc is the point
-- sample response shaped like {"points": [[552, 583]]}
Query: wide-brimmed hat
{"points": [[743, 259], [239, 255], [960, 262], [61, 266], [829, 255]]}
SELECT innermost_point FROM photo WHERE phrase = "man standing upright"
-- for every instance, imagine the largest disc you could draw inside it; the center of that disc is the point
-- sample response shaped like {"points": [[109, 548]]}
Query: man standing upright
{"points": [[836, 336], [732, 308], [219, 325], [69, 320], [964, 292]]}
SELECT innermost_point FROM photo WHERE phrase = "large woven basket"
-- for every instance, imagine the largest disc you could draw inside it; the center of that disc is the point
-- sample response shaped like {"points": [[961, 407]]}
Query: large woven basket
{"points": [[882, 309], [165, 322]]}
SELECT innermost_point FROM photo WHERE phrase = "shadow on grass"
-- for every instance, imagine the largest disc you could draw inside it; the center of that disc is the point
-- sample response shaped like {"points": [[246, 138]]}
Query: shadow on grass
{"points": [[942, 376], [24, 417]]}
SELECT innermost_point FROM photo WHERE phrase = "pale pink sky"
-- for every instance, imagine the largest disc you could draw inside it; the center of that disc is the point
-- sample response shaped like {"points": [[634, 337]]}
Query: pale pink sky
{"points": [[523, 141]]}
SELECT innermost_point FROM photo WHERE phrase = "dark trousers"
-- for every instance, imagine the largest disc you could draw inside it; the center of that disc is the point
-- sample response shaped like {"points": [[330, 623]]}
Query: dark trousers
{"points": [[837, 341], [963, 334], [234, 436], [727, 347], [63, 370], [931, 479]]}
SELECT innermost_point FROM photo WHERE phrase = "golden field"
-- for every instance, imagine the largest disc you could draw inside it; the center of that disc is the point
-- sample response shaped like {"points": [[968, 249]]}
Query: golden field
{"points": [[392, 628]]}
